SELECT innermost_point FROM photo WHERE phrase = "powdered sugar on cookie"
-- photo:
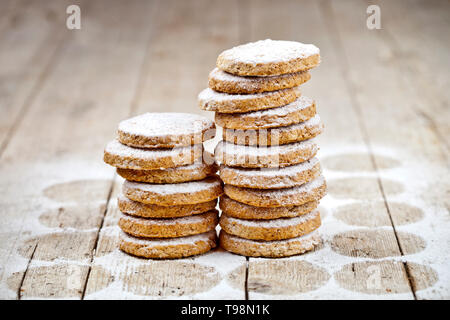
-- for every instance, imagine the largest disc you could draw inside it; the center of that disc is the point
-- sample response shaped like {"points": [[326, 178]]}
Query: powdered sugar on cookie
{"points": [[266, 51], [208, 95], [276, 223], [199, 218], [312, 238], [278, 193], [269, 58], [116, 148], [301, 103], [207, 236], [300, 110], [273, 172], [211, 100], [122, 156], [226, 82], [243, 151], [172, 188], [165, 124]]}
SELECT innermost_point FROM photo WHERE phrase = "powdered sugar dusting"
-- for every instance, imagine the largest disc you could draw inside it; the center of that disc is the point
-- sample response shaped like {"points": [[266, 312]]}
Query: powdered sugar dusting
{"points": [[310, 238], [301, 103], [308, 124], [195, 167], [276, 223], [158, 124], [118, 149], [255, 151], [172, 188], [304, 188], [273, 172], [169, 241], [248, 81], [313, 122], [198, 218], [208, 95], [267, 51]]}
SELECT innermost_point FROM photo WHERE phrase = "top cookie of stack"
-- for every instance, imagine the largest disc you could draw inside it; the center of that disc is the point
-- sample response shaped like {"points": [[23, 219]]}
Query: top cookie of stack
{"points": [[171, 190], [267, 124]]}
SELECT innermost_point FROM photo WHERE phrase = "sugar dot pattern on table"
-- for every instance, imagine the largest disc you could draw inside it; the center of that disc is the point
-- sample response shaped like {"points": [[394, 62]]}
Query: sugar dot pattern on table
{"points": [[376, 243], [291, 277], [384, 277]]}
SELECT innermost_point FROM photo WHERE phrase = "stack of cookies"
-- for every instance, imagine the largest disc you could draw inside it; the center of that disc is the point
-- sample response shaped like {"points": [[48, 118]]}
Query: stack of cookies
{"points": [[273, 181], [170, 191]]}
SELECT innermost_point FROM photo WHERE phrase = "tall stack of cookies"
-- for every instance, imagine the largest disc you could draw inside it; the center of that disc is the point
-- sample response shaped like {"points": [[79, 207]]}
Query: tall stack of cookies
{"points": [[170, 191], [273, 181]]}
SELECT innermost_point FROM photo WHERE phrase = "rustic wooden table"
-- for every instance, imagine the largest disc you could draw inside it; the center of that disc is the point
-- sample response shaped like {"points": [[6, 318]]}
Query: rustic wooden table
{"points": [[383, 95]]}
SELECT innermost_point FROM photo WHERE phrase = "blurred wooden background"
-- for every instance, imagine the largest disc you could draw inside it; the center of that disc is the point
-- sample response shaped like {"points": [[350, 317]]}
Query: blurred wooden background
{"points": [[383, 95]]}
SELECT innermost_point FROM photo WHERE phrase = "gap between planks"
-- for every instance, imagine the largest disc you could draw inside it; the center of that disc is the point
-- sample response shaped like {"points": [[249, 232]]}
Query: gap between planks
{"points": [[333, 28]]}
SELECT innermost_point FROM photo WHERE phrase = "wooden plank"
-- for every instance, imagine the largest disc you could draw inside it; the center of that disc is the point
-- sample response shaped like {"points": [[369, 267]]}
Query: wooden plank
{"points": [[388, 111], [180, 56], [422, 58], [52, 168], [30, 44], [309, 276]]}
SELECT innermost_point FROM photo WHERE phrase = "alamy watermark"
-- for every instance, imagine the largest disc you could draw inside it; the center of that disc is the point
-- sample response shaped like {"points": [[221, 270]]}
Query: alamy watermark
{"points": [[374, 19], [73, 21]]}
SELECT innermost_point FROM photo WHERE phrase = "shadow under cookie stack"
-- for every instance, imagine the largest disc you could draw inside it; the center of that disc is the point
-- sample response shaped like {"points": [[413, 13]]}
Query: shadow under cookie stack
{"points": [[170, 191], [273, 181]]}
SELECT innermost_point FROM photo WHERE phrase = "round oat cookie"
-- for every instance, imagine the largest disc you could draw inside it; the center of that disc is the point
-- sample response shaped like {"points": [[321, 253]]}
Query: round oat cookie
{"points": [[169, 228], [170, 248], [165, 130], [271, 178], [276, 136], [295, 196], [269, 230], [138, 209], [269, 249], [122, 156], [265, 157], [211, 100], [175, 193], [191, 172], [298, 111], [268, 58], [222, 81], [240, 210]]}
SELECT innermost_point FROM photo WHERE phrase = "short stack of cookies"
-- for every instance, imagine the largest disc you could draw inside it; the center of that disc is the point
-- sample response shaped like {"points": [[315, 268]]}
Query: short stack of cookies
{"points": [[273, 182], [170, 191]]}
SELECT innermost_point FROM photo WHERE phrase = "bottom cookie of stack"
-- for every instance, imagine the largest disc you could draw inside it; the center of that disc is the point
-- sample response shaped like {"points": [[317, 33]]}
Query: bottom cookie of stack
{"points": [[270, 238], [169, 248], [269, 249]]}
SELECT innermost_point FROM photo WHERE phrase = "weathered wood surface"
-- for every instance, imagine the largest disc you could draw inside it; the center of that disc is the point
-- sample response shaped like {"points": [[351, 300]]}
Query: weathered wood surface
{"points": [[381, 93]]}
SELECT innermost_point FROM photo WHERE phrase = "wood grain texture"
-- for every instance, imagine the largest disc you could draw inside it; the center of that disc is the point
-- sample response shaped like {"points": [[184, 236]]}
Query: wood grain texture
{"points": [[382, 95], [54, 167], [389, 124]]}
